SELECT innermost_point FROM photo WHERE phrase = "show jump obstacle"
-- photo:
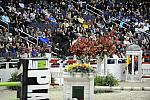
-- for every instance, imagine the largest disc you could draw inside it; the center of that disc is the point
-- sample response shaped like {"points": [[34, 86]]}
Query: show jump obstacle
{"points": [[10, 83], [34, 82], [34, 77]]}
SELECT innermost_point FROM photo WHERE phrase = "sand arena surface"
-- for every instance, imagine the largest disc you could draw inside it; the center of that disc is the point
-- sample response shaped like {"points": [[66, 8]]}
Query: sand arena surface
{"points": [[57, 93]]}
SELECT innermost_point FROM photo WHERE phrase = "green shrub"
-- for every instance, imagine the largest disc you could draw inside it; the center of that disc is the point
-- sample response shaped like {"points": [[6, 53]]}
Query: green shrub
{"points": [[14, 78], [105, 81], [99, 81]]}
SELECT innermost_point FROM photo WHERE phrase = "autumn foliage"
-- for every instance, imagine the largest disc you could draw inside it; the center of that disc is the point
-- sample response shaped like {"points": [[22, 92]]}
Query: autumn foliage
{"points": [[88, 47]]}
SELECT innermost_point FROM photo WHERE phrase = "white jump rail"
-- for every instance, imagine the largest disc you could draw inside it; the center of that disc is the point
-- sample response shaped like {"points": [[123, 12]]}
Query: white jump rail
{"points": [[108, 88]]}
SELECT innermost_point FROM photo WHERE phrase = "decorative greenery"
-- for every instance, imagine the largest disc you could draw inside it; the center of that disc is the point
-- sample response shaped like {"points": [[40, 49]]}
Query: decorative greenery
{"points": [[105, 81], [14, 78], [84, 68]]}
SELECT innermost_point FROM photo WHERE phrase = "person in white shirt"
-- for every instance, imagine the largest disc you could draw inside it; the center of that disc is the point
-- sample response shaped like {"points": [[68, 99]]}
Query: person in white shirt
{"points": [[5, 18], [32, 16], [126, 41]]}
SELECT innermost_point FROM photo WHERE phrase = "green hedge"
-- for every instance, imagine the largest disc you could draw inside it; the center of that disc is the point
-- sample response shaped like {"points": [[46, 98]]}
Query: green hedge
{"points": [[105, 81], [14, 78]]}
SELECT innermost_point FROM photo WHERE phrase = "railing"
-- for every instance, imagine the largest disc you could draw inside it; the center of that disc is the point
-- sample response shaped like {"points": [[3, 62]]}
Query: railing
{"points": [[113, 61], [146, 71], [95, 11], [6, 69], [57, 74], [10, 67], [146, 66], [30, 38], [146, 60], [116, 60], [9, 54], [88, 8], [99, 12], [27, 40], [74, 2]]}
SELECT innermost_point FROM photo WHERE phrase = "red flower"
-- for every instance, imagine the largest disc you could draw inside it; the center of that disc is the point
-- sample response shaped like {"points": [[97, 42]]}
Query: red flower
{"points": [[71, 61], [88, 47]]}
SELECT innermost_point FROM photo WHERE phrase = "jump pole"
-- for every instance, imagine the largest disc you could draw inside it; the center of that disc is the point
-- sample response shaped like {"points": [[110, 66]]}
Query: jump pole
{"points": [[97, 88], [10, 84], [108, 88]]}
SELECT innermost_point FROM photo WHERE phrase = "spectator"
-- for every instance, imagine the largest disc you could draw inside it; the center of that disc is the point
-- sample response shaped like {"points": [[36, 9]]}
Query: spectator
{"points": [[128, 22], [34, 53], [5, 18]]}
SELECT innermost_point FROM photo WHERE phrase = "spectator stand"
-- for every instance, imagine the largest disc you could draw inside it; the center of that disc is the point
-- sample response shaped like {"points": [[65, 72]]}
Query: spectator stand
{"points": [[57, 12]]}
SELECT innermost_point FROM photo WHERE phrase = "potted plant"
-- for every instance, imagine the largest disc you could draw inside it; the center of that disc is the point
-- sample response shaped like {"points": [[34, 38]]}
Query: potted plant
{"points": [[79, 69], [87, 48]]}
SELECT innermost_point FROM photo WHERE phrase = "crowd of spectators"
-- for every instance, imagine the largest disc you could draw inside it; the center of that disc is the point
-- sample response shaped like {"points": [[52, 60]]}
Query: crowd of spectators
{"points": [[56, 25]]}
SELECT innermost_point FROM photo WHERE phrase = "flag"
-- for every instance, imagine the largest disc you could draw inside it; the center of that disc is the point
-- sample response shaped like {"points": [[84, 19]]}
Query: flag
{"points": [[43, 39]]}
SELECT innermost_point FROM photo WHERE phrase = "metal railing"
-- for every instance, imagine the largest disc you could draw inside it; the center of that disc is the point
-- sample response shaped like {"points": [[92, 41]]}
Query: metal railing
{"points": [[30, 39], [27, 40], [116, 60], [73, 1], [95, 10]]}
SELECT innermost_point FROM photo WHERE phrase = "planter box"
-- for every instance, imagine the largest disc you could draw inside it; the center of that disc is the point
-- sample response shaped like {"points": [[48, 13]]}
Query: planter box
{"points": [[78, 86], [78, 75]]}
